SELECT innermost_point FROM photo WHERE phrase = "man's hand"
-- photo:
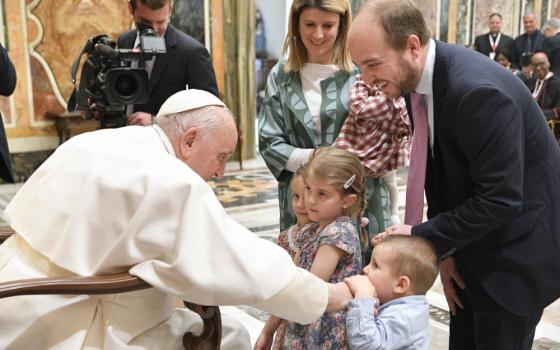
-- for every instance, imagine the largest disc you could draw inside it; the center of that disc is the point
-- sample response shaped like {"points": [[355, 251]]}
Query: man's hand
{"points": [[398, 229], [339, 296], [139, 118], [448, 273], [361, 287]]}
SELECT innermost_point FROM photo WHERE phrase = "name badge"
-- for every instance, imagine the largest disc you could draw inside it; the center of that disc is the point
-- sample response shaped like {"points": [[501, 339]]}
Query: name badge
{"points": [[492, 55]]}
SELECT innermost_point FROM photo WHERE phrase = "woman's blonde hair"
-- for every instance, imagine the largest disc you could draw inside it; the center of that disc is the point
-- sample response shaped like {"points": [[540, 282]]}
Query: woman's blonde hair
{"points": [[337, 167], [297, 53]]}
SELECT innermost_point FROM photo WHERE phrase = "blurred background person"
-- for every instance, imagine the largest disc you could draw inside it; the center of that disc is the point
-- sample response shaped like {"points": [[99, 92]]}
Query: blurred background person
{"points": [[528, 42], [504, 59], [526, 71], [545, 86], [491, 43], [551, 43]]}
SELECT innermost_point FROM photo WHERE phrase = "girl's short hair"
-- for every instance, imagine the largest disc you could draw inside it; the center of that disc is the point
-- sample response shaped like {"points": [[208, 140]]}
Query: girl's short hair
{"points": [[293, 45], [337, 167]]}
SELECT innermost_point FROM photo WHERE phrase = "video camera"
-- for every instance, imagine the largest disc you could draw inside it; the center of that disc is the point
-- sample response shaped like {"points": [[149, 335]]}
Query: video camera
{"points": [[110, 80]]}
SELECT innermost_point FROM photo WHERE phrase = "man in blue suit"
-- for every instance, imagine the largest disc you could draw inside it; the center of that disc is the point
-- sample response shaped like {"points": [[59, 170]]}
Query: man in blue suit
{"points": [[492, 175]]}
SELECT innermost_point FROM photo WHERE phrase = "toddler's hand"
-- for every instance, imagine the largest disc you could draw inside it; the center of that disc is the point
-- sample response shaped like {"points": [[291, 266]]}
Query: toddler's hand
{"points": [[360, 286]]}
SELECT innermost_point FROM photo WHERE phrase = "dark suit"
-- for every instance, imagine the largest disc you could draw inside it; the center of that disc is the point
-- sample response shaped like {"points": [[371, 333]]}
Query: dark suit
{"points": [[493, 192], [7, 85], [551, 47], [482, 45], [549, 97], [520, 46], [187, 62]]}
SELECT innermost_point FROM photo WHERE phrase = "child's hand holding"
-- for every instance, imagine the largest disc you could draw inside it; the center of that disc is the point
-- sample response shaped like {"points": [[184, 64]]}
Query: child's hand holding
{"points": [[361, 287]]}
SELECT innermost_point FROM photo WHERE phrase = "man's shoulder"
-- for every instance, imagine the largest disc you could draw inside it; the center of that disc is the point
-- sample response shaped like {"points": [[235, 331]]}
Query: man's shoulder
{"points": [[184, 40], [126, 37], [506, 37], [481, 37]]}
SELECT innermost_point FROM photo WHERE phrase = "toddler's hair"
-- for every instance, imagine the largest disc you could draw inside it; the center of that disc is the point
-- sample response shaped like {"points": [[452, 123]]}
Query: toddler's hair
{"points": [[414, 257], [336, 167]]}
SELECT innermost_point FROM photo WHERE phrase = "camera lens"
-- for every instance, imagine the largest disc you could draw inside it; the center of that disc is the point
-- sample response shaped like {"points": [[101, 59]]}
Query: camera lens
{"points": [[126, 85]]}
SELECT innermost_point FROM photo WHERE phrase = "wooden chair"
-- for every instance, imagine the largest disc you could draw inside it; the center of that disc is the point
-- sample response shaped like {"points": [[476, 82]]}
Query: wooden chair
{"points": [[211, 334]]}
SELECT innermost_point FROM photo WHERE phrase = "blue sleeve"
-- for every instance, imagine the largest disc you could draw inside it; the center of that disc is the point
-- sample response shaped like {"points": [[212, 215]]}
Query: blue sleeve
{"points": [[391, 329]]}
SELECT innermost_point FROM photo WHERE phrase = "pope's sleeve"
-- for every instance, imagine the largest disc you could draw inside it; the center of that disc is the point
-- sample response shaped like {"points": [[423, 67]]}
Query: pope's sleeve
{"points": [[198, 253]]}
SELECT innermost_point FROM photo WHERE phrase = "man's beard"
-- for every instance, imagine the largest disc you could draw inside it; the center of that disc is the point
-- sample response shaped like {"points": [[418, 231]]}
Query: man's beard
{"points": [[411, 79]]}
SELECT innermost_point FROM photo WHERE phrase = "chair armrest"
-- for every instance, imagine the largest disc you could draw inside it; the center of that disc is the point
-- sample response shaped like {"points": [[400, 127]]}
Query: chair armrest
{"points": [[109, 284]]}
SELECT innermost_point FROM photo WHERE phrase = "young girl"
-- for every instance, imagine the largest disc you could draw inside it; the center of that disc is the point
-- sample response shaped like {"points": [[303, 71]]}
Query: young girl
{"points": [[330, 248], [377, 130], [290, 241]]}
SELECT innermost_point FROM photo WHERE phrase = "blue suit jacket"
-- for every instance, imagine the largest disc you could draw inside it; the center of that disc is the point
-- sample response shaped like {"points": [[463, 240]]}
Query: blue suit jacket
{"points": [[493, 183]]}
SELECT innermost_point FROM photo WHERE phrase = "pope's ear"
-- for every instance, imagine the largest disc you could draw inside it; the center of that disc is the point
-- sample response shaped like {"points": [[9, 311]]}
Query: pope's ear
{"points": [[186, 141]]}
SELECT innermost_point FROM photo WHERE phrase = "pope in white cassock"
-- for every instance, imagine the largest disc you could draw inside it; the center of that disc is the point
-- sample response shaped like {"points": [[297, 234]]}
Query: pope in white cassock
{"points": [[136, 198]]}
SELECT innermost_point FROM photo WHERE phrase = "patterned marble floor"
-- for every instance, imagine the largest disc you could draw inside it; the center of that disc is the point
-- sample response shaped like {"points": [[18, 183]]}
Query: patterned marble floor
{"points": [[250, 197]]}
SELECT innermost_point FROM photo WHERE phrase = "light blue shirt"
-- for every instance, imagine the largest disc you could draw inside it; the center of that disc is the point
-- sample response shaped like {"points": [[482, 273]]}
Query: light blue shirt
{"points": [[402, 323]]}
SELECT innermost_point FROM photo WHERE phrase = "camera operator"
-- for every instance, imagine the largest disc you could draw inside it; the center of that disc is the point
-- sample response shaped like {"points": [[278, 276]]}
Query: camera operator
{"points": [[186, 62], [7, 86]]}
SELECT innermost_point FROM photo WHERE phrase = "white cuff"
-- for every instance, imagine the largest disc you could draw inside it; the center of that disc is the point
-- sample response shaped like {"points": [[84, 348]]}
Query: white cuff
{"points": [[298, 157]]}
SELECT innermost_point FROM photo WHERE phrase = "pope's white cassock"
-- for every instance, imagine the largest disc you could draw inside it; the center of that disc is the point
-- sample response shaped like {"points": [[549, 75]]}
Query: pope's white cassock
{"points": [[116, 200]]}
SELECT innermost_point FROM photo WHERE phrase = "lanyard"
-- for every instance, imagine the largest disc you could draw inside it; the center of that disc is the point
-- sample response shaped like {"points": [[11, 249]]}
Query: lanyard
{"points": [[494, 44]]}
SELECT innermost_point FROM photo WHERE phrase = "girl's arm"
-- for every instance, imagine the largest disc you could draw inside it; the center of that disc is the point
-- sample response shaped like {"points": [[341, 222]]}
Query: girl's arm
{"points": [[326, 260], [264, 341]]}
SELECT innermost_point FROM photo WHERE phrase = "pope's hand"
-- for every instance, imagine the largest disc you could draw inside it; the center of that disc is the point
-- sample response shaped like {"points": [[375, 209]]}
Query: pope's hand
{"points": [[339, 296]]}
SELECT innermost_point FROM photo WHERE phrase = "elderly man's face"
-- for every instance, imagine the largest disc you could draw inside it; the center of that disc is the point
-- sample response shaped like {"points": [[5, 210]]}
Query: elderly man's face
{"points": [[540, 65], [529, 23], [495, 24], [207, 154], [396, 73]]}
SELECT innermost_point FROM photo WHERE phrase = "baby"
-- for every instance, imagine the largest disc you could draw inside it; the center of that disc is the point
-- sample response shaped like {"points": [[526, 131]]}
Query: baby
{"points": [[401, 271]]}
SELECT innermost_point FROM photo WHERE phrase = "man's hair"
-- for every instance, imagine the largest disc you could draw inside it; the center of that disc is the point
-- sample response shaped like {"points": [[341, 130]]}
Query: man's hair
{"points": [[552, 23], [336, 167], [494, 14], [399, 19], [414, 257], [152, 4], [525, 59], [205, 119], [293, 45], [531, 14]]}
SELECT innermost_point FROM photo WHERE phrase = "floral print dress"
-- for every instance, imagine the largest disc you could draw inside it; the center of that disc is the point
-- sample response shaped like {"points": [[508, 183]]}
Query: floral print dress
{"points": [[329, 332], [289, 240]]}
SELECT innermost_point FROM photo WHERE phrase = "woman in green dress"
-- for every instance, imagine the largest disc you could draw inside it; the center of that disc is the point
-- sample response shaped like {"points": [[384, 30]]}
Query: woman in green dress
{"points": [[306, 103]]}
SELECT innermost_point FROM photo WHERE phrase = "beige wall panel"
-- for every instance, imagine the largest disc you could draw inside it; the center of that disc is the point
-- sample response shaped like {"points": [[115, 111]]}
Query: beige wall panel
{"points": [[485, 7], [429, 9]]}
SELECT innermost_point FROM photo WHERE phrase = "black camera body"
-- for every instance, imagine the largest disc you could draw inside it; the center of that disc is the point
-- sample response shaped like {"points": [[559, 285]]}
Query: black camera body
{"points": [[112, 78]]}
